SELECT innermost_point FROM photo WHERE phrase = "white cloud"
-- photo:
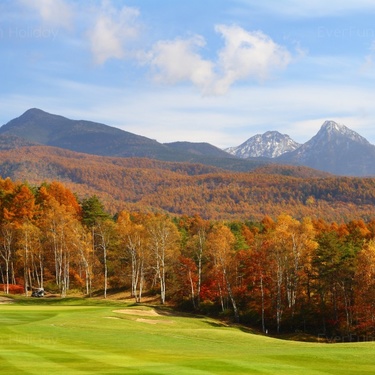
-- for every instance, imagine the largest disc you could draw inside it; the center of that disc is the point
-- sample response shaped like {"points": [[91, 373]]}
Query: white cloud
{"points": [[248, 55], [178, 60], [112, 31], [54, 12]]}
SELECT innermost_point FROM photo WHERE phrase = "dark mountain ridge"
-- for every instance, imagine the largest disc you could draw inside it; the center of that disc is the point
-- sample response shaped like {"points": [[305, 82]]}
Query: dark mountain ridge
{"points": [[38, 127], [43, 128]]}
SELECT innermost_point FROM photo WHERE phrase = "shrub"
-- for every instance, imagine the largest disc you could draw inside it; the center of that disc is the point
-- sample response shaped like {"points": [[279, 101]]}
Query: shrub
{"points": [[13, 288]]}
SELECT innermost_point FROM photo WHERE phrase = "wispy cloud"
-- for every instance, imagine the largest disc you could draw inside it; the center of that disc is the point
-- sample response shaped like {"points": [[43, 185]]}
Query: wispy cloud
{"points": [[369, 63], [310, 9], [55, 12], [112, 31]]}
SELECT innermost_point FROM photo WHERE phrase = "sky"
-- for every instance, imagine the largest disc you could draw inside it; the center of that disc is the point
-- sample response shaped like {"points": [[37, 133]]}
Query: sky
{"points": [[217, 71]]}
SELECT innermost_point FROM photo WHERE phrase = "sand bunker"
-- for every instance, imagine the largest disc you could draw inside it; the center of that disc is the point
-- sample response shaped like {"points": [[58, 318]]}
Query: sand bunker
{"points": [[5, 300], [146, 313], [153, 321], [137, 312]]}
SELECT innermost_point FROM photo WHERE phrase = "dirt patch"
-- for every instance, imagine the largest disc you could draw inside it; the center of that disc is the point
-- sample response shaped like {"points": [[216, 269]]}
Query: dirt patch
{"points": [[153, 321], [145, 313], [137, 312], [126, 296], [5, 300]]}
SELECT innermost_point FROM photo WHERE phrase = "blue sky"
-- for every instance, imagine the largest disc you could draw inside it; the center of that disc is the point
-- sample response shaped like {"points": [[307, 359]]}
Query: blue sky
{"points": [[217, 71]]}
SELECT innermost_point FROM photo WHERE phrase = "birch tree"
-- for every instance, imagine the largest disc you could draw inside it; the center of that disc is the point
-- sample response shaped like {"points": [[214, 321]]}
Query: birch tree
{"points": [[30, 250], [163, 242], [292, 244], [133, 244], [60, 215], [102, 231], [82, 242], [220, 243], [197, 248], [7, 243]]}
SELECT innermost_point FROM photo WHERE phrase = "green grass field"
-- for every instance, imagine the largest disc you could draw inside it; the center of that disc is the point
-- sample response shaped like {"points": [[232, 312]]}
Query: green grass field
{"points": [[87, 337]]}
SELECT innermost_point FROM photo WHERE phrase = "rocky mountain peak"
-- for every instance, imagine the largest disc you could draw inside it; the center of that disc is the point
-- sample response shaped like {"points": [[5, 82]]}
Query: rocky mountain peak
{"points": [[335, 149], [331, 129], [332, 126], [268, 145]]}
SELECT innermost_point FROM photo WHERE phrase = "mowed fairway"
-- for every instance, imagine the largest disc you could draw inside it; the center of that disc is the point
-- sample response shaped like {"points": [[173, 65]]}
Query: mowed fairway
{"points": [[76, 338]]}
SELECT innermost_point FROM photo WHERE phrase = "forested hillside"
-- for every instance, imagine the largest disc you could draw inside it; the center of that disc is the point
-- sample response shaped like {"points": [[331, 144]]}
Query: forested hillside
{"points": [[280, 275], [184, 188], [36, 127]]}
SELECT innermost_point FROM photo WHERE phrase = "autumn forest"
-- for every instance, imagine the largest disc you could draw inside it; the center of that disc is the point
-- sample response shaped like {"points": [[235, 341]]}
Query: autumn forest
{"points": [[278, 274], [139, 184]]}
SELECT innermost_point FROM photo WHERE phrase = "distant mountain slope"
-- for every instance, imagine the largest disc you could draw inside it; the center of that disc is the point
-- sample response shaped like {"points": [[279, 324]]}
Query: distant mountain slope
{"points": [[10, 141], [268, 145], [38, 127], [198, 149], [89, 137], [335, 149]]}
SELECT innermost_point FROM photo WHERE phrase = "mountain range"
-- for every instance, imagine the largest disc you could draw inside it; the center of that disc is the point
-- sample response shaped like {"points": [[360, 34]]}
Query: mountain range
{"points": [[334, 149], [127, 171], [36, 127]]}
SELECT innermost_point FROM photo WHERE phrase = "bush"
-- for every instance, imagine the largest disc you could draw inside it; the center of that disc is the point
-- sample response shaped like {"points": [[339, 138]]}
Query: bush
{"points": [[13, 288]]}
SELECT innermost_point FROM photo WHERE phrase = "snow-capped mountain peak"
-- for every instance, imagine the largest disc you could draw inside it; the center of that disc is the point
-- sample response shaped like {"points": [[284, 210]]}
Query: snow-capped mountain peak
{"points": [[332, 126], [269, 145], [331, 129], [335, 149]]}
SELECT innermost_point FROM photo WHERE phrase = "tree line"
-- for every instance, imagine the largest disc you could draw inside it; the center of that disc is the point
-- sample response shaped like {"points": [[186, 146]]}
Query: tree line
{"points": [[280, 274]]}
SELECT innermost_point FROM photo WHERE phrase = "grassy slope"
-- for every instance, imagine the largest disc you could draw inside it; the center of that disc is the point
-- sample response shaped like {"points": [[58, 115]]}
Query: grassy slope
{"points": [[45, 338]]}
